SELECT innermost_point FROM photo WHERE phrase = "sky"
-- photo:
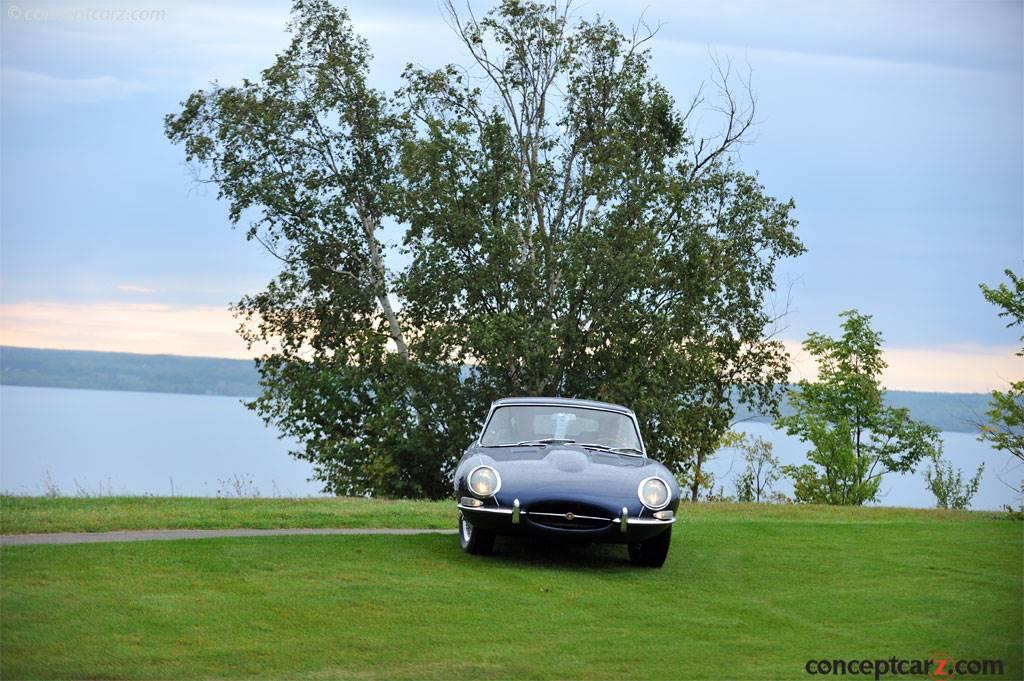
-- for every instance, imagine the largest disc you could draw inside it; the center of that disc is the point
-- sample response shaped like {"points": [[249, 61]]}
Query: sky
{"points": [[896, 127]]}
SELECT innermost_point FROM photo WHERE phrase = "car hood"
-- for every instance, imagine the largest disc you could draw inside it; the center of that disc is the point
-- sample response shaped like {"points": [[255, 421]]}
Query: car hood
{"points": [[560, 471]]}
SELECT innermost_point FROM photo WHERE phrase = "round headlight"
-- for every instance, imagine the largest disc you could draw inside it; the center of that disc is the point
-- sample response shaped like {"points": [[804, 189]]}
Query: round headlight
{"points": [[654, 493], [484, 481]]}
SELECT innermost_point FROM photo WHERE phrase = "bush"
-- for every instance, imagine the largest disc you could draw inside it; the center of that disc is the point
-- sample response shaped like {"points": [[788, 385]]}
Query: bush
{"points": [[760, 473], [947, 484]]}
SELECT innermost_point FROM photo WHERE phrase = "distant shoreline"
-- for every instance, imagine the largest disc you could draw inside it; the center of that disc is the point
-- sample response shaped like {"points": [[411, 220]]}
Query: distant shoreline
{"points": [[91, 370], [129, 392], [216, 376]]}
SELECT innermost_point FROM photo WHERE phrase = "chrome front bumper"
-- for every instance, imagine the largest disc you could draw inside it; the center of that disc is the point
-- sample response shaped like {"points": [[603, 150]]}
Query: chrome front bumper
{"points": [[515, 514]]}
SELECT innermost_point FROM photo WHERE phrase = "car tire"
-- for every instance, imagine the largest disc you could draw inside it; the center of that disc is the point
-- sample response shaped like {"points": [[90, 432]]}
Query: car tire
{"points": [[651, 553], [473, 539]]}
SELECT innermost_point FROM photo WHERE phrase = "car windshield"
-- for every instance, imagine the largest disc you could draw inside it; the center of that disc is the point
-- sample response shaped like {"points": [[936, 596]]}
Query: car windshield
{"points": [[516, 424]]}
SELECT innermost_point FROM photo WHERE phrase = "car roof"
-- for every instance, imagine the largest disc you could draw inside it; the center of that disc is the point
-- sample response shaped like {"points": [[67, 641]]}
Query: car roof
{"points": [[566, 401]]}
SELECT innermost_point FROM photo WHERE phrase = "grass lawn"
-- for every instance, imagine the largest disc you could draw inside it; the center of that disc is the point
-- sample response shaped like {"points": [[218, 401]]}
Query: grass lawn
{"points": [[748, 592], [20, 515]]}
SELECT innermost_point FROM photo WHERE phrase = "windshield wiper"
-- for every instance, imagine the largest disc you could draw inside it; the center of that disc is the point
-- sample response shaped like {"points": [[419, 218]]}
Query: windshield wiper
{"points": [[549, 441], [632, 451], [536, 443]]}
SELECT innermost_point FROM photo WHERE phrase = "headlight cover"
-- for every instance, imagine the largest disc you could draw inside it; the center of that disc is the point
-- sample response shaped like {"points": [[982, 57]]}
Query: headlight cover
{"points": [[654, 493], [483, 481]]}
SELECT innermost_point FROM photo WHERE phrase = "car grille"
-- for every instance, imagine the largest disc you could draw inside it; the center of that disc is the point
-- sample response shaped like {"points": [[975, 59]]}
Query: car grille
{"points": [[568, 516]]}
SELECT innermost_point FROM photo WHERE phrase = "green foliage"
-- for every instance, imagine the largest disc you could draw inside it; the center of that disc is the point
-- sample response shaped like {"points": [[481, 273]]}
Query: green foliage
{"points": [[948, 485], [384, 426], [1018, 512], [856, 438], [307, 155], [1005, 427], [566, 234], [589, 249], [1009, 298], [698, 479]]}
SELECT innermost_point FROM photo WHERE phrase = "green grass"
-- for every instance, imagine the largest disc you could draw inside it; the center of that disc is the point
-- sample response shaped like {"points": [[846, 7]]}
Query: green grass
{"points": [[20, 515], [748, 592]]}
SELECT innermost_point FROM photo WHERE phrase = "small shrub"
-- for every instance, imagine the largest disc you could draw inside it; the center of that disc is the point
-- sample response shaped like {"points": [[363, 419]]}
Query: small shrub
{"points": [[241, 486], [761, 471], [1016, 513], [50, 488], [948, 486]]}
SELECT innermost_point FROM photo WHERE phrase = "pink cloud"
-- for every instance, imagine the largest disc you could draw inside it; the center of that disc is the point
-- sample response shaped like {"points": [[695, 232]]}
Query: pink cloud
{"points": [[953, 369], [123, 327]]}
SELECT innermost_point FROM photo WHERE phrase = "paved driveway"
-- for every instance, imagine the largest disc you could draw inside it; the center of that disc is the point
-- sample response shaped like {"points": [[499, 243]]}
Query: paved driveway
{"points": [[164, 535]]}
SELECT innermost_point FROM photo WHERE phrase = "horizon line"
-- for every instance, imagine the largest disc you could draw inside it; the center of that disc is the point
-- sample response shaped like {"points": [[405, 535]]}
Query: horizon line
{"points": [[253, 360]]}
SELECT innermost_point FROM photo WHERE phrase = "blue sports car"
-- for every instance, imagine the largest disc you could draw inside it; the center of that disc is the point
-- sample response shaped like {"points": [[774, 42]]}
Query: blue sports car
{"points": [[574, 470]]}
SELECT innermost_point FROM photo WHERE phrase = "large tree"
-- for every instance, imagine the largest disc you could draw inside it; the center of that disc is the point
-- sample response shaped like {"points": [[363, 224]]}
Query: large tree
{"points": [[566, 234], [1005, 426], [856, 438], [571, 237], [306, 156]]}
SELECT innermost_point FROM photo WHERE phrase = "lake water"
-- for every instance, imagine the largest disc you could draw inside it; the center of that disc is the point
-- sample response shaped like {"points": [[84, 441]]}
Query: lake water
{"points": [[141, 443], [101, 442]]}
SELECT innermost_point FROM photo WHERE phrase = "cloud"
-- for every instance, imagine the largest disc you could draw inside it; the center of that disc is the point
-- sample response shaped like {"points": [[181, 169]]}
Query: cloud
{"points": [[969, 368], [202, 330], [135, 288], [975, 35], [27, 90], [193, 43]]}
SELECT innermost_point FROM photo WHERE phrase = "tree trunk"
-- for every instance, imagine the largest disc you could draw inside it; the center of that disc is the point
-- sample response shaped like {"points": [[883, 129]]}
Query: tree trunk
{"points": [[381, 284], [695, 485]]}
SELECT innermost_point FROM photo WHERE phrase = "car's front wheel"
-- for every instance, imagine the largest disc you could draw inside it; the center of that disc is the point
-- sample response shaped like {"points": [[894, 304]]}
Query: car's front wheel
{"points": [[473, 539], [651, 553]]}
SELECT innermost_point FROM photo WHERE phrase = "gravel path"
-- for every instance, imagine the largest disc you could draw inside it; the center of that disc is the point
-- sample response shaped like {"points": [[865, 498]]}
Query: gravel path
{"points": [[164, 535]]}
